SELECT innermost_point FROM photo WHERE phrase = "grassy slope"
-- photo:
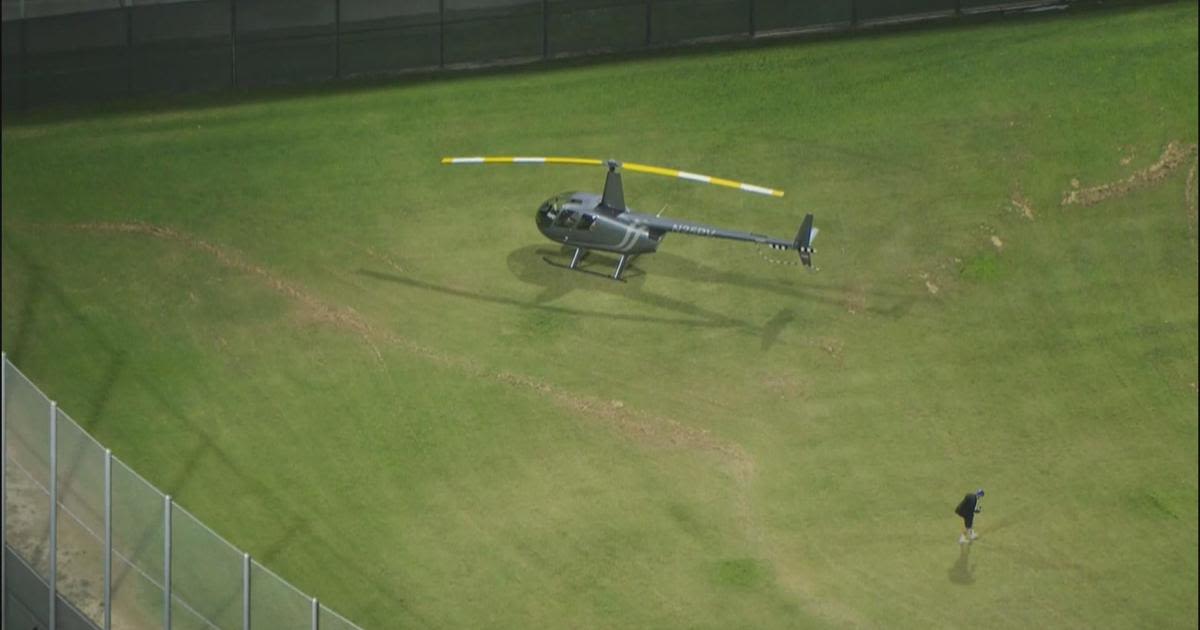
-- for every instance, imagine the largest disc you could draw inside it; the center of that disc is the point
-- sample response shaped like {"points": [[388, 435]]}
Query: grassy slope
{"points": [[718, 442]]}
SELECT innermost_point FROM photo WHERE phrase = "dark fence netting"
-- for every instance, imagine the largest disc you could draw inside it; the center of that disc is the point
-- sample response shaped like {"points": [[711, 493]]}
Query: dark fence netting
{"points": [[44, 8], [588, 26], [388, 37], [182, 47], [482, 31], [678, 21], [13, 59], [285, 41], [785, 15], [77, 50], [983, 6], [889, 10], [78, 56]]}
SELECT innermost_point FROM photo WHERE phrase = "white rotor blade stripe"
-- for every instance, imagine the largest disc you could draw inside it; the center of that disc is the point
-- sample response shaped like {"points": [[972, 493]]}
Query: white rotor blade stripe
{"points": [[757, 189], [696, 177], [521, 160]]}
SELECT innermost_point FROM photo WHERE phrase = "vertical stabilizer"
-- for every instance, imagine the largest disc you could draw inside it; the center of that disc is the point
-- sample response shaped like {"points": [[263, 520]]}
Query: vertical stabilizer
{"points": [[614, 194], [804, 237]]}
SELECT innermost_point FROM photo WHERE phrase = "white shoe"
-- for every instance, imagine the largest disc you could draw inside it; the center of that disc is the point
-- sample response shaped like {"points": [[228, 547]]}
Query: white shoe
{"points": [[962, 540], [974, 535]]}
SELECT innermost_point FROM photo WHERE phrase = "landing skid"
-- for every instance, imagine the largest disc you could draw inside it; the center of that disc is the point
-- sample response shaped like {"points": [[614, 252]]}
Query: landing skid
{"points": [[580, 269], [578, 256]]}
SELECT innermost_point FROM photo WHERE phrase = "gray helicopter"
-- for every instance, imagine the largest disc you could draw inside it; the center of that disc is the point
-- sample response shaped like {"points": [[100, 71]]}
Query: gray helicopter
{"points": [[587, 221]]}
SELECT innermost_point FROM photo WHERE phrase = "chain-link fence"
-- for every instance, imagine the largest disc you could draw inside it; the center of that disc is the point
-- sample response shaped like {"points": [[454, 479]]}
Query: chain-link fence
{"points": [[90, 544], [72, 50]]}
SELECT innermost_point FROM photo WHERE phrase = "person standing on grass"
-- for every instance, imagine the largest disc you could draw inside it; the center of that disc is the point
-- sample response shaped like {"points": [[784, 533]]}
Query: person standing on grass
{"points": [[967, 509]]}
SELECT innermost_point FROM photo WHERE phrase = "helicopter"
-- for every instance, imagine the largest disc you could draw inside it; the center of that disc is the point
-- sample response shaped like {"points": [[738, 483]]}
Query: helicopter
{"points": [[587, 221]]}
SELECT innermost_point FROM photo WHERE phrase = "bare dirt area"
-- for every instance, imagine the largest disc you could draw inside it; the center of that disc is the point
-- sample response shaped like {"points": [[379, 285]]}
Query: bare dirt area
{"points": [[1175, 155], [1022, 204], [929, 285]]}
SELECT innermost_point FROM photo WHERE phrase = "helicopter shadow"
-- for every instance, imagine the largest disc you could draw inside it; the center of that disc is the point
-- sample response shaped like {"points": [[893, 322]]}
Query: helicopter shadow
{"points": [[527, 264], [694, 316]]}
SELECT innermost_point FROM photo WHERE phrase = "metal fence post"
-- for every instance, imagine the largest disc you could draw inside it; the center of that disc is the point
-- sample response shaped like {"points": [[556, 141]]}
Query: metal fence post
{"points": [[337, 39], [167, 562], [233, 42], [24, 58], [129, 57], [649, 3], [3, 478], [316, 614], [245, 591], [545, 30], [53, 513], [107, 539]]}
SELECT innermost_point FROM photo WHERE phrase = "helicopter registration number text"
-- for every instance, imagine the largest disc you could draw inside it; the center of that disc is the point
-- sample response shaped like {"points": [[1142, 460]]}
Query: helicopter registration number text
{"points": [[693, 229]]}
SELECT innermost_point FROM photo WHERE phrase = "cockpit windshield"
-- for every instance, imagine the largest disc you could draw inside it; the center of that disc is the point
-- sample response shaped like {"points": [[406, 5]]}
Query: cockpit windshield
{"points": [[553, 212]]}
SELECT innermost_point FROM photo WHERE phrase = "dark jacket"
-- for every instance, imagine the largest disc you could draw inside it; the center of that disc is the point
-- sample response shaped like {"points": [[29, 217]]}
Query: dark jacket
{"points": [[967, 506]]}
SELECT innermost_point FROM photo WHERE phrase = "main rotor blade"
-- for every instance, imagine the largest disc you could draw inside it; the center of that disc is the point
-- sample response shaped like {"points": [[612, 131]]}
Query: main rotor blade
{"points": [[696, 177], [522, 160], [629, 166]]}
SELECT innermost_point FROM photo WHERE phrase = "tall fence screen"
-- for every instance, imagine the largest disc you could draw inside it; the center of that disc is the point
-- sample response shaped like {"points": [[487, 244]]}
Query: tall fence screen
{"points": [[180, 46], [71, 50], [383, 37], [786, 15], [125, 555]]}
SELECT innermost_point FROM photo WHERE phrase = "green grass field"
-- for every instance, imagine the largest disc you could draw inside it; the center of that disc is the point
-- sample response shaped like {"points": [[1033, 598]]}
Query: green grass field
{"points": [[353, 363]]}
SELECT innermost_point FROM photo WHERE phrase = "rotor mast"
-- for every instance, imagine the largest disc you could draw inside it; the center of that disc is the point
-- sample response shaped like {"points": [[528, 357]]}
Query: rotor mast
{"points": [[613, 199]]}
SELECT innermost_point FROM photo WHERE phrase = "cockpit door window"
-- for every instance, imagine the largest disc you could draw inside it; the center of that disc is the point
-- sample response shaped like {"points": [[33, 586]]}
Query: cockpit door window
{"points": [[566, 218]]}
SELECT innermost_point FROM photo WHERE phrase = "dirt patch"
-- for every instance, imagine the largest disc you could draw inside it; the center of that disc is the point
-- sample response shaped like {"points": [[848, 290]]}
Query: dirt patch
{"points": [[1022, 204], [999, 244], [1174, 156], [1129, 152], [929, 285]]}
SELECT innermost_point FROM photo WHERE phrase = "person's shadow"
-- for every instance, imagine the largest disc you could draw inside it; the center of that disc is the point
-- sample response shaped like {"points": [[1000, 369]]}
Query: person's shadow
{"points": [[963, 572]]}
